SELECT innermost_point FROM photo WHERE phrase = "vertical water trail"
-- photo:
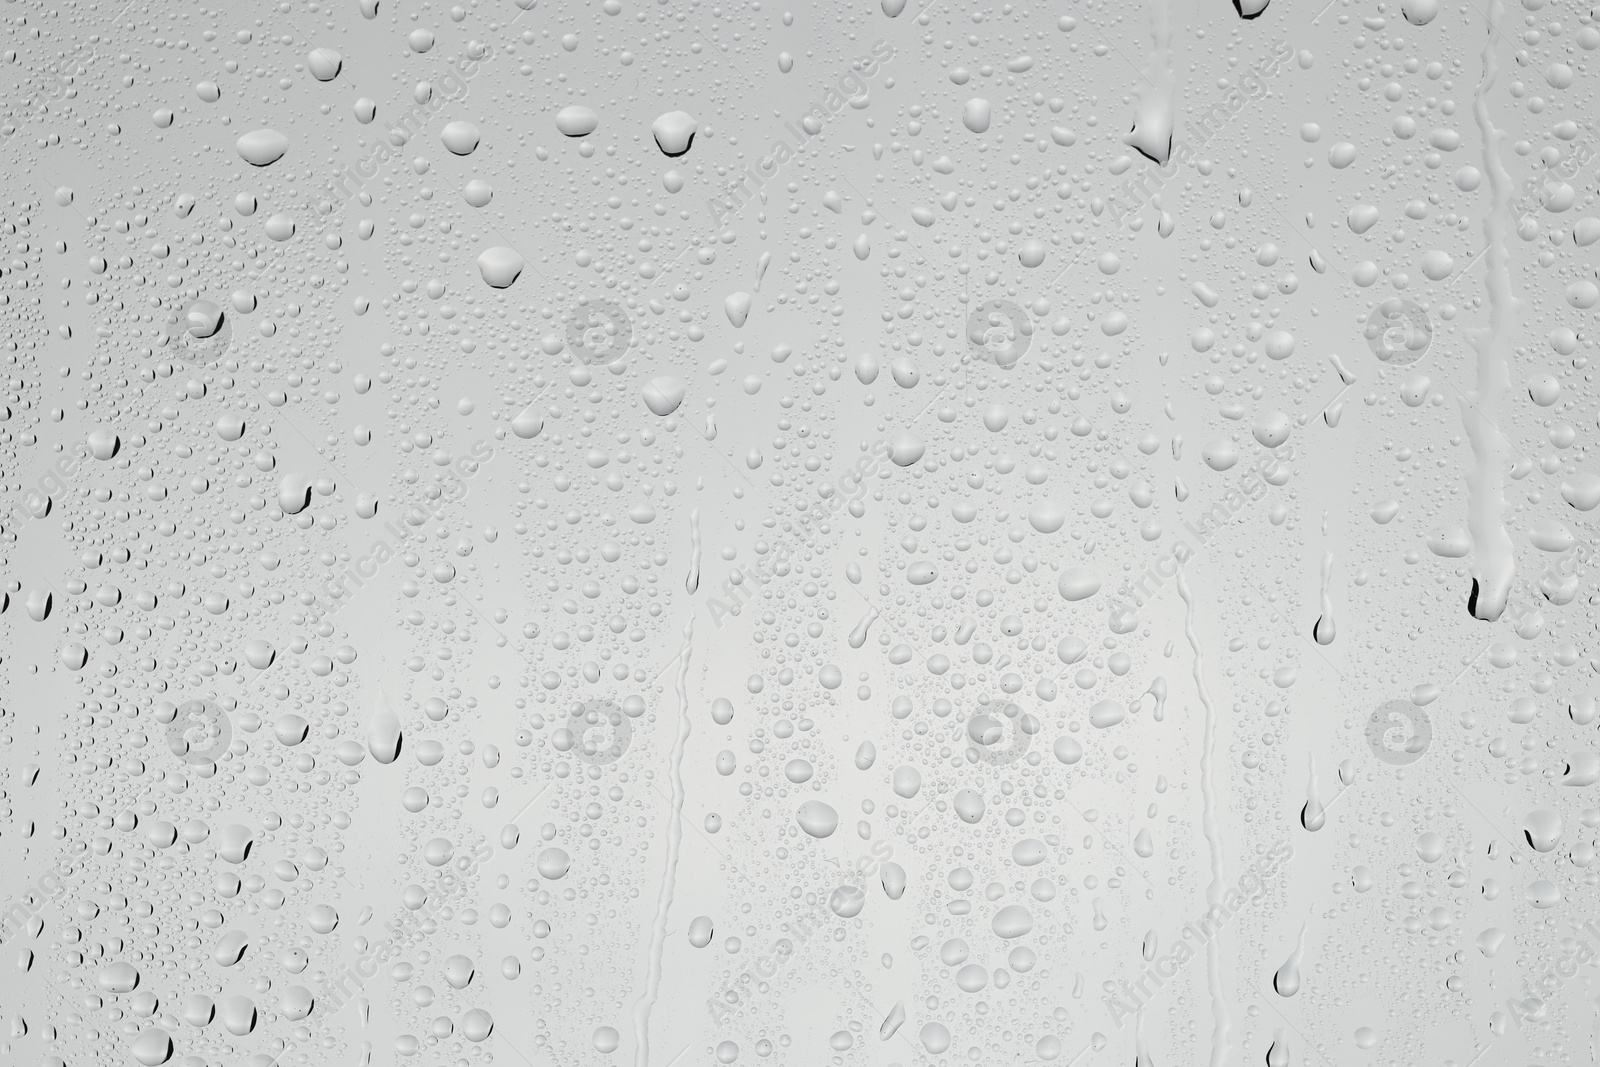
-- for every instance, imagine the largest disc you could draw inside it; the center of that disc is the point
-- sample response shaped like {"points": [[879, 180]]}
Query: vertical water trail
{"points": [[658, 934], [1278, 1054], [1596, 1034], [1313, 817], [1222, 1024], [1141, 1050], [1154, 121], [692, 583], [1323, 629], [1494, 560]]}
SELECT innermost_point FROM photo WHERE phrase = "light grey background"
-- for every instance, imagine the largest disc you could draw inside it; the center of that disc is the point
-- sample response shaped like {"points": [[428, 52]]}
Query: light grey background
{"points": [[540, 528]]}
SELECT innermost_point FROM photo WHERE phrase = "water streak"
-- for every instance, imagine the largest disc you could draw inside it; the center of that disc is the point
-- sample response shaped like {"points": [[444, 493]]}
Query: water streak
{"points": [[1223, 1022], [1494, 560], [658, 934], [692, 582]]}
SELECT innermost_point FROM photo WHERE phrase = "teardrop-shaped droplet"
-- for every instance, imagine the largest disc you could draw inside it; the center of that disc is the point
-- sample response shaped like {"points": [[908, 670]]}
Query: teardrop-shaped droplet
{"points": [[893, 1021], [1278, 1054], [894, 880], [692, 581], [1312, 816], [383, 732], [1286, 982], [737, 306], [1323, 629], [1542, 829], [858, 636]]}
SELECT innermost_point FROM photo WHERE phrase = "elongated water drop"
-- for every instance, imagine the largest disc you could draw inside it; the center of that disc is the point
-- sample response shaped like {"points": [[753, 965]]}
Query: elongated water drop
{"points": [[858, 636], [692, 581], [383, 731], [1311, 816], [1286, 982], [1278, 1053], [1323, 629], [893, 1021], [1158, 690]]}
